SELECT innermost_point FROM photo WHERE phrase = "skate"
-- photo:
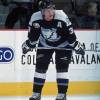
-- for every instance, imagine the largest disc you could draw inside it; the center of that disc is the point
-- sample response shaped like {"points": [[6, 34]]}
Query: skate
{"points": [[61, 97], [35, 96]]}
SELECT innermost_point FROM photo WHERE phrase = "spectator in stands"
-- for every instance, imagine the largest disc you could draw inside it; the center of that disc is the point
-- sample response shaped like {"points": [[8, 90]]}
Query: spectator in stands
{"points": [[89, 19], [69, 8], [20, 12]]}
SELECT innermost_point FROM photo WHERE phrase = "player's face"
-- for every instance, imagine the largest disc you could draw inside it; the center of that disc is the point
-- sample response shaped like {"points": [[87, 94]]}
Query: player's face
{"points": [[48, 14]]}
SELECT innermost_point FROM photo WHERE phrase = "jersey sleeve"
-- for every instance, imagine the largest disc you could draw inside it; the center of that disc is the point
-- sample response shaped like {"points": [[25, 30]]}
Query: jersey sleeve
{"points": [[69, 31], [33, 32]]}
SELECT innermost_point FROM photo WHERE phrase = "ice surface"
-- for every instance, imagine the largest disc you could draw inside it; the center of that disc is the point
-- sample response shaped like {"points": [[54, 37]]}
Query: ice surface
{"points": [[88, 97]]}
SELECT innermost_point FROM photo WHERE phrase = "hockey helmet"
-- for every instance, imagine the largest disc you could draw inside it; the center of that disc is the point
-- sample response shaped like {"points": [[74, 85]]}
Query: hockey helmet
{"points": [[43, 4]]}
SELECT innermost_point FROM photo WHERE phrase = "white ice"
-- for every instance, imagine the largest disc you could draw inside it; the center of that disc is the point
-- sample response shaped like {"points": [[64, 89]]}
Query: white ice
{"points": [[88, 97]]}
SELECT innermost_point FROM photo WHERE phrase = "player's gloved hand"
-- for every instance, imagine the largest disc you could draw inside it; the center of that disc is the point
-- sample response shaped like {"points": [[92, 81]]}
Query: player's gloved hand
{"points": [[25, 48], [79, 49]]}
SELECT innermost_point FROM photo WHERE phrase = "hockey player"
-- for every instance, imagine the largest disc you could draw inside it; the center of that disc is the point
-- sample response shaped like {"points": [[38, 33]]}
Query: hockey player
{"points": [[54, 33]]}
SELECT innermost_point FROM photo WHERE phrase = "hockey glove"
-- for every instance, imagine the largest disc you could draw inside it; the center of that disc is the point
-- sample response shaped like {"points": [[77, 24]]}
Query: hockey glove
{"points": [[26, 48], [79, 49]]}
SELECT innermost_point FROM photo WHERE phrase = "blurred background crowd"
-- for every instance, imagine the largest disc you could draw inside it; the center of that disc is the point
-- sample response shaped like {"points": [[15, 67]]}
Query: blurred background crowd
{"points": [[84, 14]]}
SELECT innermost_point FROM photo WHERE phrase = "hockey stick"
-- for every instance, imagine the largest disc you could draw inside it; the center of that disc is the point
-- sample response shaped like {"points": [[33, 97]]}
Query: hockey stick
{"points": [[70, 48]]}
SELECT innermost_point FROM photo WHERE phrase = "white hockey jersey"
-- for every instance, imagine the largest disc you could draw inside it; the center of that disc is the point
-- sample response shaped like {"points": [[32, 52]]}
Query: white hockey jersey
{"points": [[56, 33]]}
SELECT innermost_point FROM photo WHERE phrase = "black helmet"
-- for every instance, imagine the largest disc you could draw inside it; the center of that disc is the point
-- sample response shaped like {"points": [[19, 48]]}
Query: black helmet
{"points": [[43, 4]]}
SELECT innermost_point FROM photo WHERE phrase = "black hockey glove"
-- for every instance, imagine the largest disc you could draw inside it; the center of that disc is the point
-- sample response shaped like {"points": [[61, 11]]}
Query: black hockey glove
{"points": [[79, 49], [26, 47]]}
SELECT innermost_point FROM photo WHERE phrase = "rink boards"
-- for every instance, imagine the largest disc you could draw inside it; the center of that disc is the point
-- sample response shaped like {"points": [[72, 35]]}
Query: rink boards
{"points": [[17, 70]]}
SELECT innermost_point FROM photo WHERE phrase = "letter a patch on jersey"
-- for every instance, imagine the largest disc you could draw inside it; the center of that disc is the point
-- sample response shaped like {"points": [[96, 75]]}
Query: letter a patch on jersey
{"points": [[59, 25]]}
